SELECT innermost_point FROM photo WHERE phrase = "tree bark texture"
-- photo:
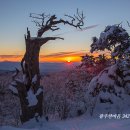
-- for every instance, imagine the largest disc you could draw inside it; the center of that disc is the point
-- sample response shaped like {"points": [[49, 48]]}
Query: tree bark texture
{"points": [[30, 68]]}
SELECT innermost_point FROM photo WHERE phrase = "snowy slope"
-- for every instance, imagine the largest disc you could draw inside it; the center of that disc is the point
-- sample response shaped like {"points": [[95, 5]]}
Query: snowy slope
{"points": [[79, 124], [64, 89]]}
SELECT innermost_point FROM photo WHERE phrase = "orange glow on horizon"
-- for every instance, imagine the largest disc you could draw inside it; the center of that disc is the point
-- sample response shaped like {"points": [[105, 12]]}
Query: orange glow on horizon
{"points": [[61, 59], [11, 59], [44, 58], [41, 59]]}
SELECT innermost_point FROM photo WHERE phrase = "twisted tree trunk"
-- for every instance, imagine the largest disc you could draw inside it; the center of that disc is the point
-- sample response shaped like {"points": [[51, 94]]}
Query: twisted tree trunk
{"points": [[31, 81], [30, 88]]}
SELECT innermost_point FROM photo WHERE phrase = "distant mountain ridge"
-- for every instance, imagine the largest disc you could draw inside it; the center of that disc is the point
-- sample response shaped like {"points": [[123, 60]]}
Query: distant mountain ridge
{"points": [[44, 67]]}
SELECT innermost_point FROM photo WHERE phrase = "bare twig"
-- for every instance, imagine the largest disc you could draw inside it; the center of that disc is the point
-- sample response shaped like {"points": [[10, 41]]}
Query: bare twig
{"points": [[128, 24]]}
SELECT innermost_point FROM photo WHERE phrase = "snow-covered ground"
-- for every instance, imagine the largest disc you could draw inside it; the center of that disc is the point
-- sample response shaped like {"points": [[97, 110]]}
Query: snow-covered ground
{"points": [[80, 123]]}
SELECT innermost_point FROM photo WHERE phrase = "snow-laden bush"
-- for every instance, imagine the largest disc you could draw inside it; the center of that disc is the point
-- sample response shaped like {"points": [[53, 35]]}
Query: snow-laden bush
{"points": [[115, 39], [94, 65], [109, 92]]}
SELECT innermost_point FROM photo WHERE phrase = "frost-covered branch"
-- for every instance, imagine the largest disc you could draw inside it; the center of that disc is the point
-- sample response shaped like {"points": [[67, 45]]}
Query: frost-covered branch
{"points": [[114, 38]]}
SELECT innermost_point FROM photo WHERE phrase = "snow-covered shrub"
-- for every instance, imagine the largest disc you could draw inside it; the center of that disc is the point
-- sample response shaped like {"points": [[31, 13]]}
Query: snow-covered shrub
{"points": [[109, 91], [115, 39], [87, 61], [94, 65]]}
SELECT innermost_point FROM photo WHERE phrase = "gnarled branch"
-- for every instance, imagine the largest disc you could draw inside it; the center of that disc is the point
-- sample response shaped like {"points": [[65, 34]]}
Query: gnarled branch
{"points": [[42, 41], [47, 22]]}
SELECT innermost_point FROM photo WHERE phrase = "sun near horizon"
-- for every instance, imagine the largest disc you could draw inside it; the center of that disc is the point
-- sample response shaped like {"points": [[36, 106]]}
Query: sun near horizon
{"points": [[18, 58], [70, 59]]}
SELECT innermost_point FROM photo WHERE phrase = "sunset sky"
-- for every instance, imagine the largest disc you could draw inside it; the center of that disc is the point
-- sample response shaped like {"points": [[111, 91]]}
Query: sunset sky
{"points": [[14, 19]]}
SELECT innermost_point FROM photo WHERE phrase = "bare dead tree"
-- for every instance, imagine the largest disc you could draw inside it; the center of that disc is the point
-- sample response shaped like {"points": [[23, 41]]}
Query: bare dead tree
{"points": [[30, 61]]}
